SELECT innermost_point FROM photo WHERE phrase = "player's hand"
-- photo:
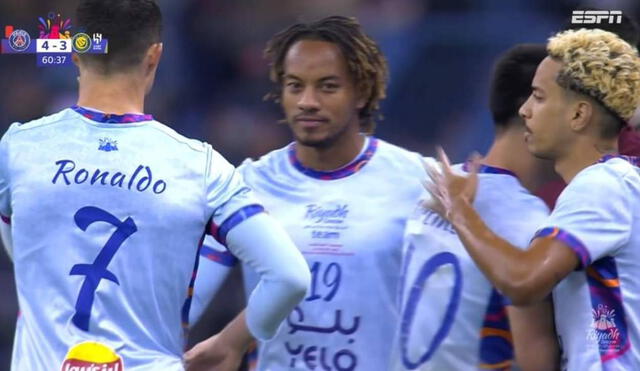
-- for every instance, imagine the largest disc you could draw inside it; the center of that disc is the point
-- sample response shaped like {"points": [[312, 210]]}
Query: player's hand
{"points": [[448, 189], [213, 355]]}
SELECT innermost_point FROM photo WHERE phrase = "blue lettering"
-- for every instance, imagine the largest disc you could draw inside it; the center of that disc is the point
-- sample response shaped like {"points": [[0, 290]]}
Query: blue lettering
{"points": [[133, 177], [81, 176], [145, 179], [67, 173], [157, 186], [309, 357], [118, 179], [99, 175], [350, 358], [62, 171], [342, 360]]}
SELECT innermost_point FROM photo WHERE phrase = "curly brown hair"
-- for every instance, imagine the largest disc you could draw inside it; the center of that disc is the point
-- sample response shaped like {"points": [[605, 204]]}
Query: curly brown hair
{"points": [[367, 65]]}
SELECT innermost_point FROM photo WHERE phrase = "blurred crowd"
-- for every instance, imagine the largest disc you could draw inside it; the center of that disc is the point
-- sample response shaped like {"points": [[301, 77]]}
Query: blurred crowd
{"points": [[212, 80]]}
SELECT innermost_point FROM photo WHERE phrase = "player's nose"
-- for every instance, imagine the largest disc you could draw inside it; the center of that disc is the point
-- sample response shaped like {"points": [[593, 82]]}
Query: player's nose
{"points": [[308, 100], [525, 109]]}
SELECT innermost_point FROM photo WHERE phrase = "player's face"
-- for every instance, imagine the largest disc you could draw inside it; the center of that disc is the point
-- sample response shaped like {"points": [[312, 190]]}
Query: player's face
{"points": [[547, 113], [319, 97]]}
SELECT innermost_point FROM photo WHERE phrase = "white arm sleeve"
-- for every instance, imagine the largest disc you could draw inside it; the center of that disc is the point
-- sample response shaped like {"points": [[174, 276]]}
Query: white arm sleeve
{"points": [[262, 244], [214, 267]]}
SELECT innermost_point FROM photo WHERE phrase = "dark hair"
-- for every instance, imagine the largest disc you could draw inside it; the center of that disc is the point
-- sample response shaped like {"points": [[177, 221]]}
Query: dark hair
{"points": [[130, 26], [365, 61], [627, 29], [511, 81]]}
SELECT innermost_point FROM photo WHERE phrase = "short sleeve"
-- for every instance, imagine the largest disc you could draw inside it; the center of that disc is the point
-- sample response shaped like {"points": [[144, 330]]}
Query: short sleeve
{"points": [[593, 215], [228, 198]]}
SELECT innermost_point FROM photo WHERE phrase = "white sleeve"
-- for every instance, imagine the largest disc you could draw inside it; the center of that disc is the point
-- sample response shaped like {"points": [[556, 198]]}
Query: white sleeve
{"points": [[216, 261], [593, 215], [226, 194], [262, 244]]}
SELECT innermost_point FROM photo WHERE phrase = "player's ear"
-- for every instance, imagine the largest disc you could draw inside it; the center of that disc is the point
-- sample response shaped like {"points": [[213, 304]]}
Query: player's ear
{"points": [[152, 59], [363, 93], [582, 114]]}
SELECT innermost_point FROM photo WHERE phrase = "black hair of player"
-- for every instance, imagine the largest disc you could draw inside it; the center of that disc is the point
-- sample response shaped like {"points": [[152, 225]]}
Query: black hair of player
{"points": [[367, 65], [130, 26], [511, 81]]}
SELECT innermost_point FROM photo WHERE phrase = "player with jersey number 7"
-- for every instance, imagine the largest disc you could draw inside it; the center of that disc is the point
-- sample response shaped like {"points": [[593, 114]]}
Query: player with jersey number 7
{"points": [[106, 208]]}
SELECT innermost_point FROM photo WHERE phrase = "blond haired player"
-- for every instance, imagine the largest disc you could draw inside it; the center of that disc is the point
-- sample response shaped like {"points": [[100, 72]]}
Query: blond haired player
{"points": [[588, 251]]}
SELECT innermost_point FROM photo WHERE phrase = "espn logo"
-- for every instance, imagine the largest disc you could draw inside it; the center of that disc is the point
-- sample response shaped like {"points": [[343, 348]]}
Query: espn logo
{"points": [[596, 16]]}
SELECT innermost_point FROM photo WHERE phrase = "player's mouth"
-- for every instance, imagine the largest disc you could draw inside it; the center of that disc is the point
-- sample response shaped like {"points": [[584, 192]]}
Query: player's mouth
{"points": [[310, 121], [527, 134]]}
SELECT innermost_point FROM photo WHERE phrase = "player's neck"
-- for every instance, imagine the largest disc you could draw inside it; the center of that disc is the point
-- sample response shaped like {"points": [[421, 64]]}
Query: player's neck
{"points": [[117, 94], [583, 153], [340, 153], [509, 151]]}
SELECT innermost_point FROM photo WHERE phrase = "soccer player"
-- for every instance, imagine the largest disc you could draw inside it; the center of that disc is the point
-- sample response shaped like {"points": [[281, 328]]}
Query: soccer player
{"points": [[628, 139], [342, 194], [452, 317], [107, 208], [587, 250]]}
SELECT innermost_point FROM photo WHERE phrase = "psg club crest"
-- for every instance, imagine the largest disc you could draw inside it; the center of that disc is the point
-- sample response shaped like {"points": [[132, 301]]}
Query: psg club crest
{"points": [[19, 40]]}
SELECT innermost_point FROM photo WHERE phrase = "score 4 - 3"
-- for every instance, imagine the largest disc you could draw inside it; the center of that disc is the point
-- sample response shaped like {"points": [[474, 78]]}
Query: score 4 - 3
{"points": [[53, 45]]}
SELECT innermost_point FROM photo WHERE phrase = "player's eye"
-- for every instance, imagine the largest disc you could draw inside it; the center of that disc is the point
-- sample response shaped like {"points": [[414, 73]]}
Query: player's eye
{"points": [[330, 86], [293, 85]]}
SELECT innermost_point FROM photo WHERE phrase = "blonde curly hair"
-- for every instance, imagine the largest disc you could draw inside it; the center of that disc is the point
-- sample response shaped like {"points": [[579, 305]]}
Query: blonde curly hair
{"points": [[601, 65]]}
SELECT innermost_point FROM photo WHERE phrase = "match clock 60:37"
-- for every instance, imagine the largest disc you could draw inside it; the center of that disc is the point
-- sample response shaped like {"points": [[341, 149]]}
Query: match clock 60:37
{"points": [[53, 59]]}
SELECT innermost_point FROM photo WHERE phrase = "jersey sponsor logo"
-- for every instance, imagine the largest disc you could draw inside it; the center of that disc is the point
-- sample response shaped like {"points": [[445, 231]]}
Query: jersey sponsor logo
{"points": [[92, 356], [326, 224], [141, 180], [603, 329], [330, 345], [332, 214], [107, 145]]}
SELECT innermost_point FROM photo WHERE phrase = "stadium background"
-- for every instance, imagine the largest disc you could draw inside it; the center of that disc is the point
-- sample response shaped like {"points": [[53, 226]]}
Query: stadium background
{"points": [[212, 79]]}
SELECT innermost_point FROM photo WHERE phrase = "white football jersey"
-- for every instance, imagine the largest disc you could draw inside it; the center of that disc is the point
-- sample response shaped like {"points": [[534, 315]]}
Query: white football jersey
{"points": [[348, 224], [452, 317], [107, 213], [597, 307]]}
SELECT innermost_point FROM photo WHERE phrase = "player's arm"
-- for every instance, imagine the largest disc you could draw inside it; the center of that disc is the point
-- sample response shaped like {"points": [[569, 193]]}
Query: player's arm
{"points": [[5, 234], [583, 227], [525, 276], [216, 262], [223, 351], [261, 243], [534, 336]]}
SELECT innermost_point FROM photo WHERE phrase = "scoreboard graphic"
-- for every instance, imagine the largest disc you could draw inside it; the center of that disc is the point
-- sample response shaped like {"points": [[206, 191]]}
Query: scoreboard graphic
{"points": [[55, 42]]}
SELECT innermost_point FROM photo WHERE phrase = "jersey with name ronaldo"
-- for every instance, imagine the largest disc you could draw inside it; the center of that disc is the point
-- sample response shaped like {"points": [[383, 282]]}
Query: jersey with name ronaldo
{"points": [[452, 317], [597, 307], [348, 224], [106, 213]]}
